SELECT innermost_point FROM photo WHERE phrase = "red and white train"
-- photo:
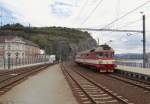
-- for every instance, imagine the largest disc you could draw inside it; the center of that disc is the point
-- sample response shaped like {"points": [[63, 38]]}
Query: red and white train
{"points": [[100, 58]]}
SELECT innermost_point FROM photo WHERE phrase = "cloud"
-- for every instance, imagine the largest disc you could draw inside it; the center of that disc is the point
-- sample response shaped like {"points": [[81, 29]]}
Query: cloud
{"points": [[38, 12], [121, 42], [5, 15], [61, 9]]}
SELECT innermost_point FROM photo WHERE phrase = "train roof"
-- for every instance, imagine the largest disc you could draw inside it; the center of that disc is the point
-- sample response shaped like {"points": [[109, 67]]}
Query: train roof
{"points": [[101, 48]]}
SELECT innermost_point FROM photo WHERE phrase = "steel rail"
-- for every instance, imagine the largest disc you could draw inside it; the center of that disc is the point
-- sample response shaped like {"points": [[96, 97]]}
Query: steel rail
{"points": [[100, 86], [17, 78], [114, 95], [19, 72], [135, 83], [65, 71], [132, 78]]}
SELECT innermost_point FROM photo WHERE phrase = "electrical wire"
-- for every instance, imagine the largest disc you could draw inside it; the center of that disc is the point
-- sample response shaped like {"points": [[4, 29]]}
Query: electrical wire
{"points": [[79, 14], [127, 14], [90, 14], [127, 24], [130, 23]]}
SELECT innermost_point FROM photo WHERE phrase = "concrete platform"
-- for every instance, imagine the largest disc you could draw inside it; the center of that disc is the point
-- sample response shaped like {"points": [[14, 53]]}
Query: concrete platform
{"points": [[47, 87], [143, 73], [23, 66]]}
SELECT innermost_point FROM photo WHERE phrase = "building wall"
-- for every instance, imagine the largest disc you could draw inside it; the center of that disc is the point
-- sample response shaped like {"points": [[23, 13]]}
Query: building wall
{"points": [[31, 50], [18, 48], [15, 48], [1, 48]]}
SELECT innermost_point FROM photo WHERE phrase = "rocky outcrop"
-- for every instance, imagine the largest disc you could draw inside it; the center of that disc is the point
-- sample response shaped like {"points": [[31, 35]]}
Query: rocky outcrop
{"points": [[83, 45], [67, 50], [61, 41]]}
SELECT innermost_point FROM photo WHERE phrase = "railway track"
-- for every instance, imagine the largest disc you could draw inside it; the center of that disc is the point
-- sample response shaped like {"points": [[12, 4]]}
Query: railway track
{"points": [[88, 91], [138, 83], [133, 78], [132, 81], [10, 79]]}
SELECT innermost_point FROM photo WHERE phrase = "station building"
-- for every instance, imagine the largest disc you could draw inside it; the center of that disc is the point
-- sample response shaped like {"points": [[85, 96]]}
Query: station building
{"points": [[15, 46]]}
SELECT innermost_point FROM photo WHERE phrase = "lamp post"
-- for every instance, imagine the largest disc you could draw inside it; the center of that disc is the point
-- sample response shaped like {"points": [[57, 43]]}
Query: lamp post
{"points": [[45, 58], [22, 58], [17, 59], [4, 56], [8, 54]]}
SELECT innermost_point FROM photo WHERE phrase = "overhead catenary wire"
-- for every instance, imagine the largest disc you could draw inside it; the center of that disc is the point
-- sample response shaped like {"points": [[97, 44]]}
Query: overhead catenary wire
{"points": [[93, 10], [117, 10], [129, 12], [129, 23], [82, 8]]}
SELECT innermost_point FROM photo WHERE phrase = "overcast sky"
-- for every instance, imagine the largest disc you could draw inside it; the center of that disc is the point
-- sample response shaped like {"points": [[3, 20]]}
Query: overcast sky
{"points": [[84, 13]]}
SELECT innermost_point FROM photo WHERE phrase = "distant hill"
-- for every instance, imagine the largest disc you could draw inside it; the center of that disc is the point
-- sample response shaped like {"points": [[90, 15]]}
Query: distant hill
{"points": [[129, 56], [64, 42]]}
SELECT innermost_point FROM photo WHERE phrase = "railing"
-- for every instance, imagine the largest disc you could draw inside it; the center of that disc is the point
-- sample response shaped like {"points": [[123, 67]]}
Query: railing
{"points": [[11, 62], [133, 64]]}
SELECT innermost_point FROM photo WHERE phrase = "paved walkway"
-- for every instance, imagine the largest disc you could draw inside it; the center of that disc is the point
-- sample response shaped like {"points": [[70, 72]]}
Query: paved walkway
{"points": [[22, 66], [47, 87], [145, 71]]}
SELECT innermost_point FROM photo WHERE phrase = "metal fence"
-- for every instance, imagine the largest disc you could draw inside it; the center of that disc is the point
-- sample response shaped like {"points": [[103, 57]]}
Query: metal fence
{"points": [[10, 62], [1, 61], [133, 64]]}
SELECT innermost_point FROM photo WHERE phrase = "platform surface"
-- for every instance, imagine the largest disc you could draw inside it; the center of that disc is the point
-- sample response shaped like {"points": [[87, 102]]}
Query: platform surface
{"points": [[144, 71], [23, 66], [47, 87]]}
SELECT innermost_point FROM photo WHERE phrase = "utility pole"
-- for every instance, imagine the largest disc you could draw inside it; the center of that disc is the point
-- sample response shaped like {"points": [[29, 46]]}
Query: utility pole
{"points": [[144, 41]]}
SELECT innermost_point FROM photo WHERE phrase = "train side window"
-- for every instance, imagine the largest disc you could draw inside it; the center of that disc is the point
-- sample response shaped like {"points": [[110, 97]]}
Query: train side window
{"points": [[105, 55]]}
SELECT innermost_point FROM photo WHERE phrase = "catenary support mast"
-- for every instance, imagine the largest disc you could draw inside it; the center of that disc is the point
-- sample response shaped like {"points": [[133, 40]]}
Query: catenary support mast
{"points": [[144, 42]]}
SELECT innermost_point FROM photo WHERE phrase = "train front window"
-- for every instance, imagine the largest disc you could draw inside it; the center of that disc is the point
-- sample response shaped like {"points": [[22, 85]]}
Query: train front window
{"points": [[100, 55], [104, 55]]}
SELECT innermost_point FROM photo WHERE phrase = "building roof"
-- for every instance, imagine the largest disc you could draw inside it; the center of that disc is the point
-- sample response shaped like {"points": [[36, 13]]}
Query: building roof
{"points": [[28, 42], [3, 38]]}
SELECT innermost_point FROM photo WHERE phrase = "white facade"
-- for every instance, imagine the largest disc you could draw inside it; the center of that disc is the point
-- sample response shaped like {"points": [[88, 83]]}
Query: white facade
{"points": [[16, 47]]}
